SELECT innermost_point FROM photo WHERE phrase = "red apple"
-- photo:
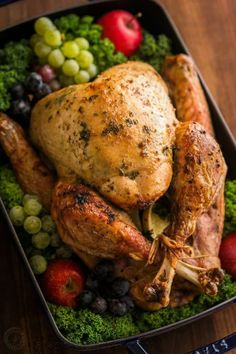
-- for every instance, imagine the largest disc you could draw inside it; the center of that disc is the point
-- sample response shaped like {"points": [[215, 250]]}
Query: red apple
{"points": [[123, 29], [228, 254], [62, 282]]}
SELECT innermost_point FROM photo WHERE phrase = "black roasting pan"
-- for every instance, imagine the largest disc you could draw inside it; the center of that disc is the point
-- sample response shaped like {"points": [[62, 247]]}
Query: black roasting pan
{"points": [[156, 20]]}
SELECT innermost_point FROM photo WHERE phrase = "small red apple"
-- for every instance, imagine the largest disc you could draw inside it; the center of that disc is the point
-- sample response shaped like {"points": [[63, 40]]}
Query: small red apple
{"points": [[228, 254], [62, 282], [123, 29]]}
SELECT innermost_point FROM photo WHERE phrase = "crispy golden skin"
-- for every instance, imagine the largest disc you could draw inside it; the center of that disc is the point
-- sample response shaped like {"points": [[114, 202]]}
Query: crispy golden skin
{"points": [[32, 174], [116, 133], [199, 176], [88, 224], [180, 75]]}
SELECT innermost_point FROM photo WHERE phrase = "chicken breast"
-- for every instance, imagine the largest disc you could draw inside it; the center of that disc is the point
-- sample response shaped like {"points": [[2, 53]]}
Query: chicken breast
{"points": [[115, 133]]}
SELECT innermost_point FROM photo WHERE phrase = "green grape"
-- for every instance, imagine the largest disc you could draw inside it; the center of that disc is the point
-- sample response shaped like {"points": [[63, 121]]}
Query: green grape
{"points": [[41, 49], [47, 224], [66, 80], [82, 43], [81, 77], [56, 58], [92, 70], [35, 38], [55, 240], [32, 224], [17, 215], [84, 59], [29, 196], [43, 24], [64, 252], [52, 38], [70, 49], [32, 207], [70, 67], [38, 264], [41, 240]]}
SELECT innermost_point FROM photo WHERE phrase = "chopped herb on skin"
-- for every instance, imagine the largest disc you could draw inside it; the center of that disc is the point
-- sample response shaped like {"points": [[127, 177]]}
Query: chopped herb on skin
{"points": [[61, 98], [92, 98], [85, 132], [81, 109], [146, 129], [112, 128], [123, 171], [129, 122], [165, 150], [82, 198], [133, 174], [111, 216]]}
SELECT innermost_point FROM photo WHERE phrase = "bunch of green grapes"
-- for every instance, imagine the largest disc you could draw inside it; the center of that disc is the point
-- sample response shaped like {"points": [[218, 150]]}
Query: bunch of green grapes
{"points": [[42, 230], [72, 59]]}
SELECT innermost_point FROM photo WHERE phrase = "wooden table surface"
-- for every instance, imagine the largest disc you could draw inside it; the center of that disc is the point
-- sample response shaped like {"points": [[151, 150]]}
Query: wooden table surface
{"points": [[209, 29]]}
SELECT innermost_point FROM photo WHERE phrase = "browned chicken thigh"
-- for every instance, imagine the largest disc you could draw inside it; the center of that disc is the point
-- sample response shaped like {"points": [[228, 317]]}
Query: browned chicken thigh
{"points": [[116, 133], [88, 224]]}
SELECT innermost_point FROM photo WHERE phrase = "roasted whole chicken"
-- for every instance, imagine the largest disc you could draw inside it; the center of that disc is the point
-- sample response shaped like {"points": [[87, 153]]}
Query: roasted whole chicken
{"points": [[117, 147]]}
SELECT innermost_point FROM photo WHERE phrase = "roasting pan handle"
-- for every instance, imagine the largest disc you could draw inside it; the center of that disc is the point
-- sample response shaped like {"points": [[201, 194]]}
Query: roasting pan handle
{"points": [[220, 346], [135, 347]]}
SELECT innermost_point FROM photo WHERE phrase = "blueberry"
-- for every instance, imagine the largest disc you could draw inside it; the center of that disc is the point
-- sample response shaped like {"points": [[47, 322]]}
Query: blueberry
{"points": [[42, 91], [33, 82], [85, 298], [18, 91], [99, 305], [117, 307], [104, 269], [92, 283], [128, 301], [120, 287], [20, 108]]}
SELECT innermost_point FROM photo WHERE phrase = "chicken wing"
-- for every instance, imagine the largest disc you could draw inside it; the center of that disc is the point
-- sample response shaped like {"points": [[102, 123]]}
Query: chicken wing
{"points": [[180, 75], [32, 174]]}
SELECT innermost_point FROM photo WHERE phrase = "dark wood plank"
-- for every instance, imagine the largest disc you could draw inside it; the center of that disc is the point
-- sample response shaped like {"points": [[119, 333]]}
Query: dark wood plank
{"points": [[208, 28]]}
